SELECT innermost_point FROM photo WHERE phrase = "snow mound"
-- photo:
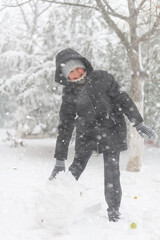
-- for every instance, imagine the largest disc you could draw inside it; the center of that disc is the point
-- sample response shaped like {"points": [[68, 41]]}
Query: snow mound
{"points": [[59, 203]]}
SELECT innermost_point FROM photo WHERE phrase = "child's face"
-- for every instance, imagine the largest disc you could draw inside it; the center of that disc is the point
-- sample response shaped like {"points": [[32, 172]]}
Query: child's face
{"points": [[76, 74]]}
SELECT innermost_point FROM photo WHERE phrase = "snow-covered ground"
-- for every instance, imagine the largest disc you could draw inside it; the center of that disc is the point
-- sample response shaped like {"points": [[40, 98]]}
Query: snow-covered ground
{"points": [[31, 207]]}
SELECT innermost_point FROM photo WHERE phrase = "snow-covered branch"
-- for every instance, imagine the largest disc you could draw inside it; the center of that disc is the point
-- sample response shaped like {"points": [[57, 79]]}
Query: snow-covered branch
{"points": [[17, 5], [72, 4], [39, 14], [2, 9], [112, 24], [151, 31], [112, 12], [24, 16], [140, 6]]}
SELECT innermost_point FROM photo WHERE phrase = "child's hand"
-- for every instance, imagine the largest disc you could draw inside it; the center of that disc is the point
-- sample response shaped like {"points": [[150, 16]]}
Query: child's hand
{"points": [[146, 130]]}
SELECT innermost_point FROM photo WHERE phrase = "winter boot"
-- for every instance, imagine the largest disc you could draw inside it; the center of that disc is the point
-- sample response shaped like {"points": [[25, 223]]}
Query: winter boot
{"points": [[113, 215]]}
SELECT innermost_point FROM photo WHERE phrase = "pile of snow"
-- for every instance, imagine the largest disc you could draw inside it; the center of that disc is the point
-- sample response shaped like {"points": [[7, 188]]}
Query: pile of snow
{"points": [[59, 203]]}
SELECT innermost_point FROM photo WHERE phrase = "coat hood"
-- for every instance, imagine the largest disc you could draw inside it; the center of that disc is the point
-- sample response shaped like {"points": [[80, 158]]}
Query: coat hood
{"points": [[65, 56]]}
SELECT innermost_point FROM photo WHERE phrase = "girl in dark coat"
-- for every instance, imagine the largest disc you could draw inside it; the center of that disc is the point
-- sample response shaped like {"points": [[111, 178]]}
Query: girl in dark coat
{"points": [[94, 103]]}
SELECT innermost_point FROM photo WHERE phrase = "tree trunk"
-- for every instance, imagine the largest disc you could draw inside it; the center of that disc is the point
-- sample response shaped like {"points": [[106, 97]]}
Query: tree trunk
{"points": [[136, 141]]}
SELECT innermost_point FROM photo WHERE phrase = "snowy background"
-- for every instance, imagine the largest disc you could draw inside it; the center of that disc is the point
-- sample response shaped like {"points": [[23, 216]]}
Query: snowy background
{"points": [[31, 207], [34, 208]]}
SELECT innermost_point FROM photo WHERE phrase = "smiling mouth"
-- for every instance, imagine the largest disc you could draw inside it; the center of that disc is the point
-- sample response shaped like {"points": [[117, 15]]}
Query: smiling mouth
{"points": [[81, 75], [78, 79]]}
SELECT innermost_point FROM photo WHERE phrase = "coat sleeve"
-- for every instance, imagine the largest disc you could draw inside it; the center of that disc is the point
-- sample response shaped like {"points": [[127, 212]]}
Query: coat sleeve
{"points": [[67, 117], [120, 97]]}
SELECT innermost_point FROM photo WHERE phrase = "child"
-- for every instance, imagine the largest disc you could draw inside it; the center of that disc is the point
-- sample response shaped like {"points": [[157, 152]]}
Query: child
{"points": [[94, 103]]}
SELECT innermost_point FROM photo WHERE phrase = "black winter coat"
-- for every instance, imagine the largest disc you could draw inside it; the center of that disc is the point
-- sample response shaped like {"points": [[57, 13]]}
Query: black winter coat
{"points": [[96, 108]]}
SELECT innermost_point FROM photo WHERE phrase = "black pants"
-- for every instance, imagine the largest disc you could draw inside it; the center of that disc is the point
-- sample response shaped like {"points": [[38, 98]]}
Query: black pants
{"points": [[112, 186]]}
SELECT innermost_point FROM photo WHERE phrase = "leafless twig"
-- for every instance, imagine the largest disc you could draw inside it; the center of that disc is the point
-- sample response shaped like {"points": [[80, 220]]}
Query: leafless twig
{"points": [[17, 5], [72, 4]]}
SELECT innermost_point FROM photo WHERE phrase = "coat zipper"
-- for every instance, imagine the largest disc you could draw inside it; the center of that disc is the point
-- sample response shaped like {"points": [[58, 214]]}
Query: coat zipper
{"points": [[90, 102], [95, 116], [112, 119]]}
